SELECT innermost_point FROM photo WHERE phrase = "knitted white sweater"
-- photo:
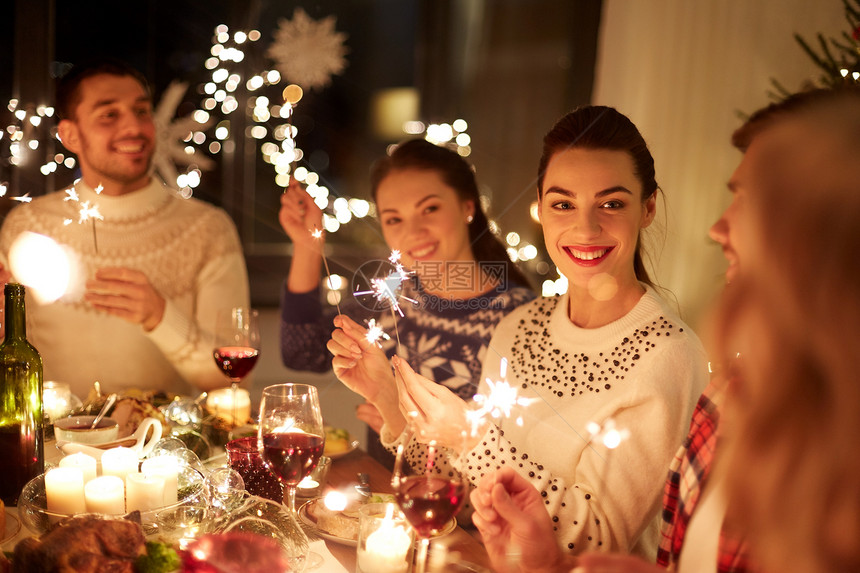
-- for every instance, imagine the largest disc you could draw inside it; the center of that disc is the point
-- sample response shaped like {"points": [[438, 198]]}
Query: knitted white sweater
{"points": [[644, 372], [190, 252]]}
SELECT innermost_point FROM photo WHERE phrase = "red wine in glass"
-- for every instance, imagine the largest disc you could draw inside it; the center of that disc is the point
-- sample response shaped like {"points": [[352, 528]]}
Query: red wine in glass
{"points": [[292, 455], [429, 503], [236, 361]]}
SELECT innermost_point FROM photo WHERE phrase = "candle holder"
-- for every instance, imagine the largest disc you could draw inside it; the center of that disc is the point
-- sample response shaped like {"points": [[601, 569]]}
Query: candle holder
{"points": [[312, 485], [34, 513], [385, 540]]}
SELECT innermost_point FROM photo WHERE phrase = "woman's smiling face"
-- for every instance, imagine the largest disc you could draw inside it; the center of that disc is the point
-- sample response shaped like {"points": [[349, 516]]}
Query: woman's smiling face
{"points": [[591, 209], [423, 218]]}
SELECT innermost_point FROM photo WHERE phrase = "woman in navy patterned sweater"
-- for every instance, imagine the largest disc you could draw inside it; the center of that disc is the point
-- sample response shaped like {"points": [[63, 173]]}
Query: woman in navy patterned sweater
{"points": [[463, 283]]}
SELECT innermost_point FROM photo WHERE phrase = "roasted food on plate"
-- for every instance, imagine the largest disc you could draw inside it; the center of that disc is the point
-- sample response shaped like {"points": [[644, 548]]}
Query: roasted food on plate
{"points": [[83, 544]]}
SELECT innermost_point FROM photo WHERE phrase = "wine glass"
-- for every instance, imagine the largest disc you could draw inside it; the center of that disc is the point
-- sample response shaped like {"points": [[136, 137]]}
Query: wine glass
{"points": [[237, 346], [291, 438], [428, 498]]}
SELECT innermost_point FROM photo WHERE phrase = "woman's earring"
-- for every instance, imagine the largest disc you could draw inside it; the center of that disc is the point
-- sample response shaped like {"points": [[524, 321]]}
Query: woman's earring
{"points": [[470, 218]]}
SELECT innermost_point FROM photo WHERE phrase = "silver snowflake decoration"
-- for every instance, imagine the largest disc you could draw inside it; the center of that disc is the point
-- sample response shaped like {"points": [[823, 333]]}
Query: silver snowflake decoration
{"points": [[308, 52], [171, 136]]}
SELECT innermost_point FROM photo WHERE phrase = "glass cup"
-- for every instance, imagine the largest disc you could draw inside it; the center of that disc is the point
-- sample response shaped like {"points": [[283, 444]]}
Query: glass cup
{"points": [[244, 457], [312, 485], [385, 540], [56, 399]]}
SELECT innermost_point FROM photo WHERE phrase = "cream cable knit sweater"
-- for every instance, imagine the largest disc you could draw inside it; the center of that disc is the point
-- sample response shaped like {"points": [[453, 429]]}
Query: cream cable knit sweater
{"points": [[190, 252]]}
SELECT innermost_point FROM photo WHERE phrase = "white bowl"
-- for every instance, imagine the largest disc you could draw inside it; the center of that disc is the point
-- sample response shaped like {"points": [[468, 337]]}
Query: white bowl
{"points": [[77, 429]]}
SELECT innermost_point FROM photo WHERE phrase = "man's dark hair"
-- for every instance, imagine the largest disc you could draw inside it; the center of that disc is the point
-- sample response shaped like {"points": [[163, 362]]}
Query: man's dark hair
{"points": [[792, 105], [68, 92]]}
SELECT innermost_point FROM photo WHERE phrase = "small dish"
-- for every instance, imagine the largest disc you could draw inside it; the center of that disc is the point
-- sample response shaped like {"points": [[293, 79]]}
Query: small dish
{"points": [[77, 429], [13, 526], [306, 519]]}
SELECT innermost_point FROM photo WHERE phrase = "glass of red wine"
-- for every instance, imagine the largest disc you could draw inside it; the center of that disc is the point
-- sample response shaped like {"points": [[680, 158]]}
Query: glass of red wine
{"points": [[237, 346], [291, 439], [429, 493]]}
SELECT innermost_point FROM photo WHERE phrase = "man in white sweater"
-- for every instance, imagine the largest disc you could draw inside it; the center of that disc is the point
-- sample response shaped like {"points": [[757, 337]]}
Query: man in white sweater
{"points": [[152, 273]]}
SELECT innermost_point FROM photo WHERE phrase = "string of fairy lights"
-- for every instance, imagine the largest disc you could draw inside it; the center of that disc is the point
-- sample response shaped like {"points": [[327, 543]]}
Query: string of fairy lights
{"points": [[268, 117]]}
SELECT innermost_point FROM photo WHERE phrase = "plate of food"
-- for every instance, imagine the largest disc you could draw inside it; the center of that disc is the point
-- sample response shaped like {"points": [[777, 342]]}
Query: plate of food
{"points": [[342, 526], [338, 443]]}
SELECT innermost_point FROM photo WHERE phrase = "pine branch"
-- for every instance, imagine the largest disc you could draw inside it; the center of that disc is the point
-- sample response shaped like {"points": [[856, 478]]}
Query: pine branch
{"points": [[851, 13], [781, 91], [813, 55]]}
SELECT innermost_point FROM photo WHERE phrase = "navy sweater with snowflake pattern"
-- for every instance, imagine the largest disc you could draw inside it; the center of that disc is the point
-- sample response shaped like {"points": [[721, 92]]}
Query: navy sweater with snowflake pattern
{"points": [[445, 340]]}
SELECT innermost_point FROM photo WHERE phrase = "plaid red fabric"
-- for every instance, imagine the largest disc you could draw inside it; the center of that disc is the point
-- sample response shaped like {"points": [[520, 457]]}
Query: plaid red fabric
{"points": [[687, 477]]}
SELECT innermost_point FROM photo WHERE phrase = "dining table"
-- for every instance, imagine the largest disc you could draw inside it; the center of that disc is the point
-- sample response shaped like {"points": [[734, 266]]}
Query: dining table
{"points": [[461, 545]]}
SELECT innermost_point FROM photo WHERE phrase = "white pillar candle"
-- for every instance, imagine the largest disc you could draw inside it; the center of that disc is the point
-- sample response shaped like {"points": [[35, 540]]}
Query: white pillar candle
{"points": [[119, 462], [105, 494], [87, 464], [168, 468], [143, 492], [223, 402], [65, 490]]}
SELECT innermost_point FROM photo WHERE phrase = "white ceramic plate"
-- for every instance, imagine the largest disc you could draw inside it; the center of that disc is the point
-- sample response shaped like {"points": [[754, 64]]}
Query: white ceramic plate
{"points": [[306, 519], [13, 526]]}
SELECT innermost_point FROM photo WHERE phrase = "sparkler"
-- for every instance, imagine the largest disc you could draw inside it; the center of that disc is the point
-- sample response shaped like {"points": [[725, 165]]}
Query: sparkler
{"points": [[317, 234], [387, 290], [611, 437], [499, 402], [86, 212], [375, 333]]}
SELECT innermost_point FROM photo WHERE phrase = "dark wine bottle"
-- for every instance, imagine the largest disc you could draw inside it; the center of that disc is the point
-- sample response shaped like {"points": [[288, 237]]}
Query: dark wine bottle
{"points": [[21, 416]]}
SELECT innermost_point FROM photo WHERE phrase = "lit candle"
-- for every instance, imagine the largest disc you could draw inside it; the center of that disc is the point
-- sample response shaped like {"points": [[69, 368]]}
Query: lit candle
{"points": [[225, 401], [64, 488], [105, 494], [119, 462], [56, 399], [386, 549], [143, 492], [80, 460], [166, 467]]}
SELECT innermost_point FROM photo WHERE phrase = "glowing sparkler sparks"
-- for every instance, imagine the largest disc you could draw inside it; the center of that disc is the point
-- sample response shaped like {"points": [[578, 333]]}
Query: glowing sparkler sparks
{"points": [[387, 290], [86, 212], [607, 434], [499, 402], [25, 198], [375, 333]]}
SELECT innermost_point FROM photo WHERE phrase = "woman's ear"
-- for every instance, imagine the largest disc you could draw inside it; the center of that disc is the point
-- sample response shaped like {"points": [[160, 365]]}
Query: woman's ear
{"points": [[67, 131], [649, 210], [469, 210]]}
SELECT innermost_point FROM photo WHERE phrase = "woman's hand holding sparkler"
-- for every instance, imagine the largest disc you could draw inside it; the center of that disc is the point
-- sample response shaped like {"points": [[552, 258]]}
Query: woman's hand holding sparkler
{"points": [[301, 220], [363, 367], [514, 524], [432, 409]]}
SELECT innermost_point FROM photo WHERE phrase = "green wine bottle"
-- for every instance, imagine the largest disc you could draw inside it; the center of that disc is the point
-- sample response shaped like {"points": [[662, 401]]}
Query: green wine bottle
{"points": [[21, 416]]}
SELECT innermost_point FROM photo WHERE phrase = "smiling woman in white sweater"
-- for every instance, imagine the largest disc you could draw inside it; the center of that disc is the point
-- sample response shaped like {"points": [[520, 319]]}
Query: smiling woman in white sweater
{"points": [[610, 351]]}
